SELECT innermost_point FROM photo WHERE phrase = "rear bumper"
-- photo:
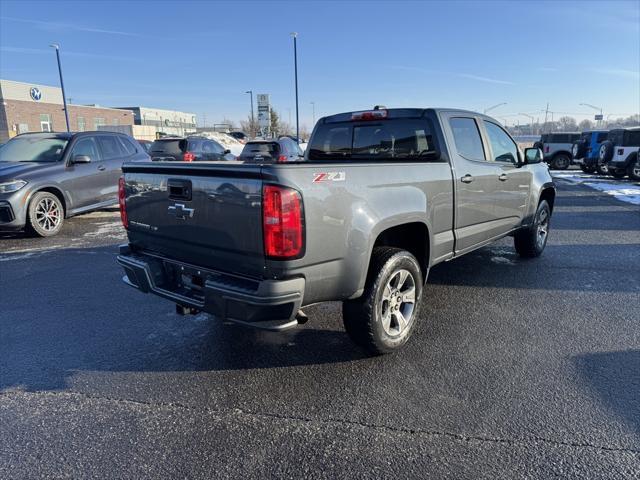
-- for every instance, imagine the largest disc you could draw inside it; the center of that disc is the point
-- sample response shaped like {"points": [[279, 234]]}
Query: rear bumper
{"points": [[267, 304]]}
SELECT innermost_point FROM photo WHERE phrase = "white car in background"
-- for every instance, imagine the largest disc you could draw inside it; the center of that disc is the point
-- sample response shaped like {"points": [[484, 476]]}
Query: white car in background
{"points": [[227, 141]]}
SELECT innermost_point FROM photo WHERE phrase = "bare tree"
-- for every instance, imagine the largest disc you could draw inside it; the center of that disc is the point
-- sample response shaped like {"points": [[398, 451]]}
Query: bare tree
{"points": [[585, 124], [249, 126], [567, 124]]}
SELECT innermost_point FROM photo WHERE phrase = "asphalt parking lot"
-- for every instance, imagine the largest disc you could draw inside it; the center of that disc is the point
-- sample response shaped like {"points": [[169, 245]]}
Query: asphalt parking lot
{"points": [[518, 369]]}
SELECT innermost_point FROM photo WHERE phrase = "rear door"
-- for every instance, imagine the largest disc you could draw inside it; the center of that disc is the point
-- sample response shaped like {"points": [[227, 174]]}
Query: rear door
{"points": [[475, 181], [113, 155], [514, 183]]}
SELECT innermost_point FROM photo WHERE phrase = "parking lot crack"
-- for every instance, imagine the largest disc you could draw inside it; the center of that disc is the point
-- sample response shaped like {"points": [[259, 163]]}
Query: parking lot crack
{"points": [[333, 421]]}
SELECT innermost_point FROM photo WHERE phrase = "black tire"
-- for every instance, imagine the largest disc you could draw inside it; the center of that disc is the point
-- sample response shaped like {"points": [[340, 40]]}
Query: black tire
{"points": [[618, 173], [633, 170], [605, 152], [529, 241], [45, 215], [587, 168], [602, 168], [579, 149], [561, 162], [363, 317]]}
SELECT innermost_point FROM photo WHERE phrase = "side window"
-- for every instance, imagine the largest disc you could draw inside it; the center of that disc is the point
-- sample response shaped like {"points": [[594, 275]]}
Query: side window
{"points": [[504, 150], [467, 138], [196, 146], [86, 146], [127, 146], [110, 147], [217, 148]]}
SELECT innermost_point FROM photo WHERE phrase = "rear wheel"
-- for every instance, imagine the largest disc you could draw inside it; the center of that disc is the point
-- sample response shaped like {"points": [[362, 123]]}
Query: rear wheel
{"points": [[587, 168], [45, 214], [530, 242], [633, 170], [383, 318], [561, 162], [602, 168]]}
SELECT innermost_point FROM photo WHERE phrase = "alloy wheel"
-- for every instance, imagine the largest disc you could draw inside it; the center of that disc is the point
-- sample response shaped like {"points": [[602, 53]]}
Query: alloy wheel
{"points": [[398, 303]]}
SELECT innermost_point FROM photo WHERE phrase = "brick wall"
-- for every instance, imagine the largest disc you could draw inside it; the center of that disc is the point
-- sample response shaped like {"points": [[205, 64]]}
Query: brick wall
{"points": [[17, 112]]}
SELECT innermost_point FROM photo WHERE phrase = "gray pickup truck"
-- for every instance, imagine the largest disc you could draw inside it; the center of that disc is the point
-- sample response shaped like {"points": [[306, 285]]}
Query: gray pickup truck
{"points": [[379, 197]]}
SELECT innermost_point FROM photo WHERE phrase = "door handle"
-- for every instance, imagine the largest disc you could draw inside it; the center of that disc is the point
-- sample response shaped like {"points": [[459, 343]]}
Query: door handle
{"points": [[467, 179], [503, 177], [102, 168]]}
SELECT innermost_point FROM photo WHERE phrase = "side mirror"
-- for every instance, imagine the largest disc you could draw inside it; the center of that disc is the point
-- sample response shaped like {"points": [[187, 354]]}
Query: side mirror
{"points": [[226, 152], [81, 159], [532, 155]]}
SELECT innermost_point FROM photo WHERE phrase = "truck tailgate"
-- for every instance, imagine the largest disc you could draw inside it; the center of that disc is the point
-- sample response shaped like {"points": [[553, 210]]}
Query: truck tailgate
{"points": [[205, 214]]}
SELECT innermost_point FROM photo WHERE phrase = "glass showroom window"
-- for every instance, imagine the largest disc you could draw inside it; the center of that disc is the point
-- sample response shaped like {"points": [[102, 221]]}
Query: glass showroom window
{"points": [[45, 122], [81, 124]]}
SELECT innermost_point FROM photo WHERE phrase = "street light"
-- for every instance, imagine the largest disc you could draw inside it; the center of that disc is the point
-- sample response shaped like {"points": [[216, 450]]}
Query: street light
{"points": [[494, 106], [597, 109], [64, 97], [313, 106], [250, 92], [530, 124], [295, 63]]}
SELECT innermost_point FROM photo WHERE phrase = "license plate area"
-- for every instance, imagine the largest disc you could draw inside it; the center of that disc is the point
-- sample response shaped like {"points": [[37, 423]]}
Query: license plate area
{"points": [[185, 280]]}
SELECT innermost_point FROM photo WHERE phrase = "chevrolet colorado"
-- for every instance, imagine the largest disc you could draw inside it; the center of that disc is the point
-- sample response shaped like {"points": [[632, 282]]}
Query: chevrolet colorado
{"points": [[379, 197]]}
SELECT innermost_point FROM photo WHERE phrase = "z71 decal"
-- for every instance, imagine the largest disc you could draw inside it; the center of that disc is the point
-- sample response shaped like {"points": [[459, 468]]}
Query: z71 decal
{"points": [[329, 177]]}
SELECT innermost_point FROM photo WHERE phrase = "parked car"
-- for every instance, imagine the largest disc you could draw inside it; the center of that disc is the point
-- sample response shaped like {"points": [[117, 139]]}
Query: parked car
{"points": [[619, 154], [240, 136], [145, 144], [381, 197], [557, 148], [47, 177], [269, 151], [585, 151], [188, 149]]}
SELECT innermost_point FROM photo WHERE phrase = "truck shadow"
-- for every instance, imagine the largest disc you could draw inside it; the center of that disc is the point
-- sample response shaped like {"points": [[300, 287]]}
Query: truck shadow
{"points": [[614, 377], [583, 268]]}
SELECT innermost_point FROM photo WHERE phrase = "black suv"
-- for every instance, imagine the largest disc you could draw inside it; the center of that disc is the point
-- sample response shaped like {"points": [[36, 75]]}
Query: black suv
{"points": [[188, 149], [271, 151], [47, 177]]}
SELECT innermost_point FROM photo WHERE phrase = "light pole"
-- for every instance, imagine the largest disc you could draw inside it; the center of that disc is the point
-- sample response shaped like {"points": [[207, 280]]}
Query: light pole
{"points": [[494, 106], [598, 109], [313, 106], [531, 123], [295, 66], [252, 128], [64, 97]]}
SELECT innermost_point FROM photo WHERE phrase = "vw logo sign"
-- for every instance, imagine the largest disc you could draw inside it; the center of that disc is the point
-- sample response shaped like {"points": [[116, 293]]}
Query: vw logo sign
{"points": [[35, 93]]}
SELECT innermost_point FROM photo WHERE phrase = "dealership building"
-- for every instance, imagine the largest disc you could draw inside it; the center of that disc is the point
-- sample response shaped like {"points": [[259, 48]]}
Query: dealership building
{"points": [[167, 122], [28, 107]]}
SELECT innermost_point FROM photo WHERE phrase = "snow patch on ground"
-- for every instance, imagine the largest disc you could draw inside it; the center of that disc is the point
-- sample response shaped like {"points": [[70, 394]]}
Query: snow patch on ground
{"points": [[107, 229], [622, 190]]}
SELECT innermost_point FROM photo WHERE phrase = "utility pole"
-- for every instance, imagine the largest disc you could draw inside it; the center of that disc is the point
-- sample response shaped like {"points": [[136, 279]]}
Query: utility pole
{"points": [[64, 97], [295, 63], [252, 126], [546, 113]]}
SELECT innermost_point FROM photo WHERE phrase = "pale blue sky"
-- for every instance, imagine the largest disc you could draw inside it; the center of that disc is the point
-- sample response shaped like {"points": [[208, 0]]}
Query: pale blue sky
{"points": [[202, 56]]}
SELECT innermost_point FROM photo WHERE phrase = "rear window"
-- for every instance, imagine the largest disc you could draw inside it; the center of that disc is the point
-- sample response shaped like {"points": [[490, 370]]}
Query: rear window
{"points": [[260, 151], [170, 147], [401, 139]]}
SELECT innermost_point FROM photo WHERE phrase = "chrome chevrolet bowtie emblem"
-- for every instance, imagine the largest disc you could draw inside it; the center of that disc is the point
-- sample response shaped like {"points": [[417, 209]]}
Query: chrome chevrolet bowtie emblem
{"points": [[180, 211]]}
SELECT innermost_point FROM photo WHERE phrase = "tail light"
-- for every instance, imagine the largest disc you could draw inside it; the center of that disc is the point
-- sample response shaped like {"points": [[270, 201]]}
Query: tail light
{"points": [[282, 222], [188, 157], [122, 203], [282, 158]]}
